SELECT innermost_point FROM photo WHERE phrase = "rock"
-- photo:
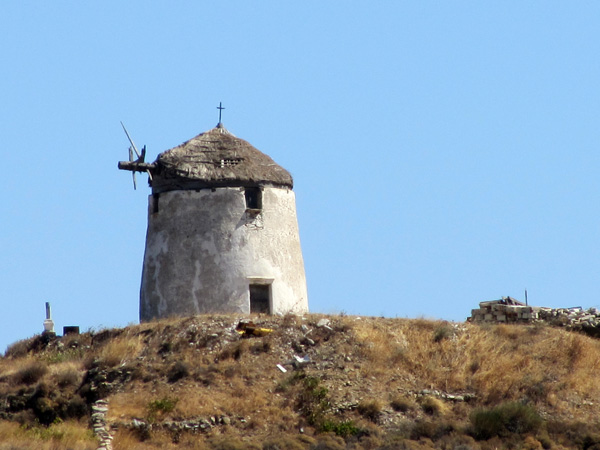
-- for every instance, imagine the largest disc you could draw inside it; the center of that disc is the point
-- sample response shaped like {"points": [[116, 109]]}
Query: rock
{"points": [[308, 341], [323, 323]]}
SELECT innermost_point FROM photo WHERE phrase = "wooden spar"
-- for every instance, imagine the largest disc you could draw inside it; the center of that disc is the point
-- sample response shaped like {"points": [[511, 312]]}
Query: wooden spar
{"points": [[135, 166]]}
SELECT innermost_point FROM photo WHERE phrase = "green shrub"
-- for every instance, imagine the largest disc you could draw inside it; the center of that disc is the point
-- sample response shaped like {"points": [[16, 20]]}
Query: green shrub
{"points": [[344, 428], [312, 400], [161, 406], [313, 405], [504, 420]]}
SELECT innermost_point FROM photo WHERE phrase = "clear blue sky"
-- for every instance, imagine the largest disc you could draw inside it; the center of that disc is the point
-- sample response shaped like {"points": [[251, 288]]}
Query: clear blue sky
{"points": [[444, 153]]}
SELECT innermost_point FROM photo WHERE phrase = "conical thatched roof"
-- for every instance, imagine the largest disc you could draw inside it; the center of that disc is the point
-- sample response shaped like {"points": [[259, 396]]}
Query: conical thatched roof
{"points": [[213, 159]]}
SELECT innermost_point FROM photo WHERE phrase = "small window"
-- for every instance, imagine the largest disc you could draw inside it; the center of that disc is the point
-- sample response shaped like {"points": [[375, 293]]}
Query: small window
{"points": [[230, 162], [253, 198], [260, 298]]}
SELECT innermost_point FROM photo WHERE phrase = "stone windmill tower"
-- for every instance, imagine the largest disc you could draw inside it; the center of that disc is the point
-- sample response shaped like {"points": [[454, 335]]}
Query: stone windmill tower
{"points": [[222, 231]]}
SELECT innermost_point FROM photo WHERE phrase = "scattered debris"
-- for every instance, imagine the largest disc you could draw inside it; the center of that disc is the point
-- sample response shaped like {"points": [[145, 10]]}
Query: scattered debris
{"points": [[299, 362], [323, 323], [247, 328]]}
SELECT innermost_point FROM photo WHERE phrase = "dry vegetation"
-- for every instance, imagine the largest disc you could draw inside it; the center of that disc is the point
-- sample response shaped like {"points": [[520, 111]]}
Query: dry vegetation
{"points": [[370, 383]]}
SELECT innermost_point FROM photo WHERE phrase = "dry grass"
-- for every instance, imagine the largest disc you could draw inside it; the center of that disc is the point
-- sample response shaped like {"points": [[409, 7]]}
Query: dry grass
{"points": [[67, 435], [433, 406], [375, 374], [498, 363], [129, 440], [67, 374], [121, 350]]}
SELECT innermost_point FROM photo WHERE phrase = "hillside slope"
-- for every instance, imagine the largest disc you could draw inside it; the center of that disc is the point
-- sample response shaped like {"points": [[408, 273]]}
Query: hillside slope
{"points": [[350, 382]]}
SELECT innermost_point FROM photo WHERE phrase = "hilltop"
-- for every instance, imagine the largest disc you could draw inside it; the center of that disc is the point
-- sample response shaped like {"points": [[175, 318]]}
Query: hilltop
{"points": [[349, 382]]}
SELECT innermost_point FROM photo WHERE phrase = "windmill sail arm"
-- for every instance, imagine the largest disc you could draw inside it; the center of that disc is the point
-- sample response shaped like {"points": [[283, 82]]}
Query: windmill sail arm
{"points": [[136, 166]]}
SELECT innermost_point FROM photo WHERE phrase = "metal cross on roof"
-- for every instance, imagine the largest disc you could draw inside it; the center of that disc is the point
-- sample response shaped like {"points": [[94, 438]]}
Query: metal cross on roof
{"points": [[220, 108]]}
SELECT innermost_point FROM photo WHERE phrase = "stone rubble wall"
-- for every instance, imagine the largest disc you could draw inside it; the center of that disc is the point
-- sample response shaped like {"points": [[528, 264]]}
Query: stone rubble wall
{"points": [[101, 430], [576, 318]]}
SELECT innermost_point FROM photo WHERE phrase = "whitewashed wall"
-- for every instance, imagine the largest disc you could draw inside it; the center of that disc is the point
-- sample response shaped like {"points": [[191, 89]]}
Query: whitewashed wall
{"points": [[203, 248]]}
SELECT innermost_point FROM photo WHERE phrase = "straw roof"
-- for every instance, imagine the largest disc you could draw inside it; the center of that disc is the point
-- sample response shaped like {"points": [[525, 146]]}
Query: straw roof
{"points": [[216, 158]]}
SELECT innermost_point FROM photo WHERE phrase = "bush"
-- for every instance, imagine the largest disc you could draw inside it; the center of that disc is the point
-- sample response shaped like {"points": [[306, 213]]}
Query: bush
{"points": [[18, 349], [261, 347], [76, 408], [344, 428], [283, 443], [401, 404], [30, 374], [370, 410], [329, 441], [178, 371], [234, 351], [504, 420], [431, 430], [231, 443], [161, 406], [44, 410], [442, 332], [432, 406], [68, 377], [312, 400]]}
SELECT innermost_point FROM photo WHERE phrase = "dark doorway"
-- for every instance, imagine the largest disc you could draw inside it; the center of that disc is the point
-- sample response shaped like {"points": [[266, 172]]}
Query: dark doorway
{"points": [[260, 298]]}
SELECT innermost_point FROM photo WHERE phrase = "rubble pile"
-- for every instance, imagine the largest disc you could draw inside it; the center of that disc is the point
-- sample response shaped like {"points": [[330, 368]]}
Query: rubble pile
{"points": [[509, 310]]}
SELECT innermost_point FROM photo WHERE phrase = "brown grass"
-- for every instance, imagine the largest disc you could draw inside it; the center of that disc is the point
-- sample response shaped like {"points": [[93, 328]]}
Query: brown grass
{"points": [[499, 363], [71, 435], [121, 350]]}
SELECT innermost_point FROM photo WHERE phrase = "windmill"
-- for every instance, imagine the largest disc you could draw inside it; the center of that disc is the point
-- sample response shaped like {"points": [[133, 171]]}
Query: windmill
{"points": [[137, 165]]}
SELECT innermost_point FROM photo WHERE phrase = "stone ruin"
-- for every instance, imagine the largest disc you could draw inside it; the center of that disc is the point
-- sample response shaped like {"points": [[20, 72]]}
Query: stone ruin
{"points": [[509, 310]]}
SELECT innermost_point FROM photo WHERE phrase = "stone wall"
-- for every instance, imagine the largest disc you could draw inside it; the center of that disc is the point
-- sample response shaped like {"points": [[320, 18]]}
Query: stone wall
{"points": [[507, 310]]}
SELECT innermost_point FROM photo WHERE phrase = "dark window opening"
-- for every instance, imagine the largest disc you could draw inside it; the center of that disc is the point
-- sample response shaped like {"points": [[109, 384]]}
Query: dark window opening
{"points": [[253, 198], [260, 298], [155, 203]]}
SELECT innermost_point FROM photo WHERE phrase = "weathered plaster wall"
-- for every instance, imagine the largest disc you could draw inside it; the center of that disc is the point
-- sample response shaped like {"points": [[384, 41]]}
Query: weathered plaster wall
{"points": [[202, 247]]}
